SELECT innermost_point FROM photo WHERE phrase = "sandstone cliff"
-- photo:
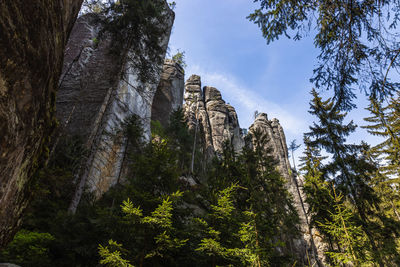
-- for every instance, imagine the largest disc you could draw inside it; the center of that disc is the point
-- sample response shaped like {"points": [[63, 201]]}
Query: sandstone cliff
{"points": [[98, 92], [216, 120], [309, 243], [169, 93], [32, 41]]}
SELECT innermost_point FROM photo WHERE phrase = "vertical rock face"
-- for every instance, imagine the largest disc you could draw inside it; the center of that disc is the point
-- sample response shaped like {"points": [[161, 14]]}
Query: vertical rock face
{"points": [[32, 40], [309, 244], [169, 94], [218, 120], [277, 142], [196, 113], [98, 92]]}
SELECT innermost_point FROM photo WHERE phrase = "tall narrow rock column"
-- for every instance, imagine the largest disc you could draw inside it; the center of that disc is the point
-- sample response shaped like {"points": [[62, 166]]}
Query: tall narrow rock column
{"points": [[223, 120], [32, 40], [305, 245], [218, 120], [195, 111], [169, 94]]}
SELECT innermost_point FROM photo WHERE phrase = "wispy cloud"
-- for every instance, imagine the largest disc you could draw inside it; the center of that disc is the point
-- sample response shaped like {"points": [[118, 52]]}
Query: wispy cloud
{"points": [[246, 100]]}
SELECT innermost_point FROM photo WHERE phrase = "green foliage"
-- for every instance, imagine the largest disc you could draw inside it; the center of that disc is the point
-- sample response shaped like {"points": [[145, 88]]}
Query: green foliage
{"points": [[358, 41], [157, 129], [172, 5], [136, 28], [179, 58], [353, 173], [385, 123], [160, 219], [239, 215], [225, 203], [260, 192], [316, 187], [111, 255], [248, 234], [351, 238], [28, 249]]}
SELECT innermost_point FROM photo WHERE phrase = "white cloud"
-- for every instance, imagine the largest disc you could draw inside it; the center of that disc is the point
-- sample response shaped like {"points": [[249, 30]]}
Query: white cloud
{"points": [[246, 101]]}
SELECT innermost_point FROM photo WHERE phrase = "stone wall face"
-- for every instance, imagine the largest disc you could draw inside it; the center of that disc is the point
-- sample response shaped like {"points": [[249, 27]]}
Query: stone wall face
{"points": [[309, 243], [32, 40], [169, 94], [98, 92], [217, 120]]}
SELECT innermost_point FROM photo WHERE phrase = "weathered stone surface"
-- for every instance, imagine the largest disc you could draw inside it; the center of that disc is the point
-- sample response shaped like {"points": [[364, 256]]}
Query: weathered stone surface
{"points": [[218, 120], [98, 92], [309, 243], [32, 40], [169, 94], [196, 113], [223, 120]]}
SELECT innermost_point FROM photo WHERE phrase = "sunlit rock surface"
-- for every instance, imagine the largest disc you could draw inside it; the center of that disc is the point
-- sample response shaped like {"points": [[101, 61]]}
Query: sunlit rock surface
{"points": [[98, 92], [214, 118]]}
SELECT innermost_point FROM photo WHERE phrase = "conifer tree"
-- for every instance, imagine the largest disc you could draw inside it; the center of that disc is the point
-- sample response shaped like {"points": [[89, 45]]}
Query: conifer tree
{"points": [[160, 221], [385, 123], [351, 240], [316, 187], [348, 169], [267, 197]]}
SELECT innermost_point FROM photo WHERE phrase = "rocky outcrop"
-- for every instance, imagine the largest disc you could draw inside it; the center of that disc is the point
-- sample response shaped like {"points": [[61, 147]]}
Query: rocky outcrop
{"points": [[277, 142], [309, 243], [207, 110], [32, 40], [98, 92], [169, 94], [208, 114]]}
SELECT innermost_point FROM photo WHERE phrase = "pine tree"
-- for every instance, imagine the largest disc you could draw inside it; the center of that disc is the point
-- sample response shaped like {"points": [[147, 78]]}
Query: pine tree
{"points": [[350, 238], [111, 255], [316, 188], [159, 222], [358, 41], [385, 123], [348, 169], [267, 197]]}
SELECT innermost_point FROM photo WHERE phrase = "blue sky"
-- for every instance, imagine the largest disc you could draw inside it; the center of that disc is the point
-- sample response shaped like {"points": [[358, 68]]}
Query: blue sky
{"points": [[229, 53]]}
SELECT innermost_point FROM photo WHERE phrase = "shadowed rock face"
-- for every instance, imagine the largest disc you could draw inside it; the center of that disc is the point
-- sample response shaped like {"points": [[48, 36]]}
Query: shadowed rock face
{"points": [[32, 40], [169, 94], [217, 120], [98, 92]]}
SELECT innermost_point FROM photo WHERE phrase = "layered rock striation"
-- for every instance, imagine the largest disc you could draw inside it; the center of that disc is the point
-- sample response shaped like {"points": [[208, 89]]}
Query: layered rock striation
{"points": [[32, 40]]}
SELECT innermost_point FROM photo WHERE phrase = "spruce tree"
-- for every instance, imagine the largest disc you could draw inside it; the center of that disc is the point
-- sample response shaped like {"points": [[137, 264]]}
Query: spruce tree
{"points": [[351, 240], [385, 123], [316, 188], [348, 168]]}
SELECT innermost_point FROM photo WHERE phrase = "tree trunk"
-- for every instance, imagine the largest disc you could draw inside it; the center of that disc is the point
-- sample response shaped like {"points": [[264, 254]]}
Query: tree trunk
{"points": [[33, 35]]}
